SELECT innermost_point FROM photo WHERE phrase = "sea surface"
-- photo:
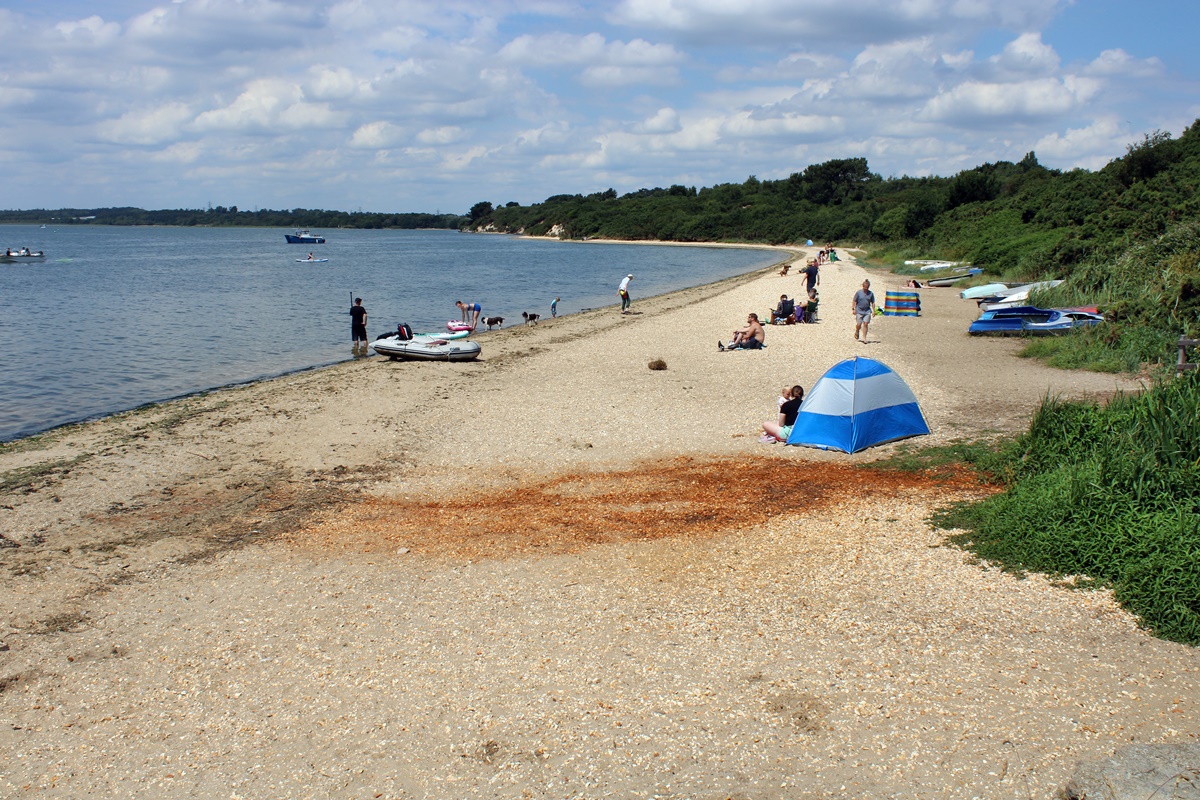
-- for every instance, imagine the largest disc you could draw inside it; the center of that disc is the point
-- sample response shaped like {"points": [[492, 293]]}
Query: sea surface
{"points": [[117, 317]]}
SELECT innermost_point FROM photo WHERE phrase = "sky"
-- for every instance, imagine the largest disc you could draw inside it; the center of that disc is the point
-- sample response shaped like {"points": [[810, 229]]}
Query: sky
{"points": [[400, 106]]}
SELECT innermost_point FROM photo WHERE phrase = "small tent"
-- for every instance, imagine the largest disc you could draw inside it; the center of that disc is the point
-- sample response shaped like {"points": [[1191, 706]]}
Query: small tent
{"points": [[858, 403]]}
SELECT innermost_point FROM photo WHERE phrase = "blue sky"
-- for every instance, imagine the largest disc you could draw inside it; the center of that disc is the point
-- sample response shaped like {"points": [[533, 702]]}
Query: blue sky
{"points": [[432, 106]]}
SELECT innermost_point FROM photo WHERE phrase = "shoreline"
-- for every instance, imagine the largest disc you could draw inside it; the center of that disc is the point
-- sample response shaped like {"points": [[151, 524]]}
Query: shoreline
{"points": [[556, 570], [150, 404]]}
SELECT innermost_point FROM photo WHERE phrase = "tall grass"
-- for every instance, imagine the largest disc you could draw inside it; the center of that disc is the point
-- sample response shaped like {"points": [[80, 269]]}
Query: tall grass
{"points": [[1111, 493]]}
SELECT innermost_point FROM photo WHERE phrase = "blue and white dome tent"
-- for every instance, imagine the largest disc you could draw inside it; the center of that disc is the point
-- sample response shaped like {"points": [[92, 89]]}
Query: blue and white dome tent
{"points": [[858, 403]]}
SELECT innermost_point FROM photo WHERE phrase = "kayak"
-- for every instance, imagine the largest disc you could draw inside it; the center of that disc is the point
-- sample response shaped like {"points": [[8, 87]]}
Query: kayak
{"points": [[311, 260]]}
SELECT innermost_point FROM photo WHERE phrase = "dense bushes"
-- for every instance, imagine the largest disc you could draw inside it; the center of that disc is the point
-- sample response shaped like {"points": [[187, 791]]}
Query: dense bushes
{"points": [[1108, 493]]}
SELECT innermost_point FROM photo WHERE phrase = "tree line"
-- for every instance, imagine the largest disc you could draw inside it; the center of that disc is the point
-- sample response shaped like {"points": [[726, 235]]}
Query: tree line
{"points": [[222, 216], [1127, 236]]}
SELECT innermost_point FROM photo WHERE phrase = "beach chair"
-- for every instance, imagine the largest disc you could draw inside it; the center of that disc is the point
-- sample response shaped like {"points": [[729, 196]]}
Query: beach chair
{"points": [[810, 312]]}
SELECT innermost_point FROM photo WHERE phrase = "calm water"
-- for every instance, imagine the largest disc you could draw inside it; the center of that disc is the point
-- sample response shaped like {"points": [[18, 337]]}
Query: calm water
{"points": [[119, 317]]}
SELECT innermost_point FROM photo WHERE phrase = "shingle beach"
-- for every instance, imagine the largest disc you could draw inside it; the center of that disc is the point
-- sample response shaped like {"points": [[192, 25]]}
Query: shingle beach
{"points": [[556, 573]]}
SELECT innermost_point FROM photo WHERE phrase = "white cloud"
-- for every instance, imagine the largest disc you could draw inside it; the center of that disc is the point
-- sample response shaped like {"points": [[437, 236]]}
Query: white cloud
{"points": [[91, 31], [805, 20], [1091, 147], [463, 96], [665, 120], [974, 101], [446, 134], [1026, 55], [611, 76], [378, 135], [258, 108], [147, 126], [1118, 63]]}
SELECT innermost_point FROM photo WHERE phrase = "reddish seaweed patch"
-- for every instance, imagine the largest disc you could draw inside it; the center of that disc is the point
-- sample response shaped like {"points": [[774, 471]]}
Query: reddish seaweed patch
{"points": [[684, 497]]}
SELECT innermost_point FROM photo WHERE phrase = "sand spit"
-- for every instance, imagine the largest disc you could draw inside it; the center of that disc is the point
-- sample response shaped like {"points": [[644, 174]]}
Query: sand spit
{"points": [[554, 573]]}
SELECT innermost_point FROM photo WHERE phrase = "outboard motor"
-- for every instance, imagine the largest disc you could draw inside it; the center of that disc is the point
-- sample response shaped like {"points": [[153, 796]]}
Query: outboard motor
{"points": [[404, 332]]}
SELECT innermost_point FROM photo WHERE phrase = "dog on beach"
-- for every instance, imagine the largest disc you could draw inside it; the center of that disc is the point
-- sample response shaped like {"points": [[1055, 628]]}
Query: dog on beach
{"points": [[530, 319], [490, 321]]}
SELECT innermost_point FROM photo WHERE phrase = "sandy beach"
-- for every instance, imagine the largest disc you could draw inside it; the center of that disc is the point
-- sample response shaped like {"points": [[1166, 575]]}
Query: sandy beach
{"points": [[555, 572]]}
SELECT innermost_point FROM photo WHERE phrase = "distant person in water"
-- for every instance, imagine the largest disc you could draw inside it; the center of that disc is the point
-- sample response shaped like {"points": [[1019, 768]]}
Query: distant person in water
{"points": [[554, 307], [470, 312], [623, 293], [358, 323]]}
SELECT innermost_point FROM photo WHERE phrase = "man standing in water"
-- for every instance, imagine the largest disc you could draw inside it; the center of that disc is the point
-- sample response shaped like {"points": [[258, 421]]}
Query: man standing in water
{"points": [[623, 293], [863, 306], [358, 324]]}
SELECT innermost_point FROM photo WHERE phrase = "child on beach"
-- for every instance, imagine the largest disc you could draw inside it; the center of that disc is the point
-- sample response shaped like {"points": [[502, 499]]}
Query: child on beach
{"points": [[789, 409]]}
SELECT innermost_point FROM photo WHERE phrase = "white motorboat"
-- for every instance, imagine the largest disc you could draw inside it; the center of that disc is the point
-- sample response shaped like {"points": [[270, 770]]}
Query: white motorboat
{"points": [[11, 256]]}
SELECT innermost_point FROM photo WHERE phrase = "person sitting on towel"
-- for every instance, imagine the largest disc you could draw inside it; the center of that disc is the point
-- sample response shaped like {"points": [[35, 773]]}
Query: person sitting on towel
{"points": [[750, 337]]}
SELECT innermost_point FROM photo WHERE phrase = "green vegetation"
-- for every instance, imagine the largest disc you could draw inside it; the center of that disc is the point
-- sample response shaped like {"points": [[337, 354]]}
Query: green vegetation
{"points": [[1104, 495], [220, 216], [1127, 237]]}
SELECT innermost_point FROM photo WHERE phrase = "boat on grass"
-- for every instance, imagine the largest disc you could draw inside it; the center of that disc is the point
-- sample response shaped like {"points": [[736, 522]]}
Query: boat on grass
{"points": [[985, 290], [953, 276], [1016, 296], [1033, 321]]}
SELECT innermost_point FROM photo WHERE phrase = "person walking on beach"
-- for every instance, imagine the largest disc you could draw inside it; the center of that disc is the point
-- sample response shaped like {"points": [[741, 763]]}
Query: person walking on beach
{"points": [[623, 293], [863, 306], [554, 308], [812, 276], [358, 324]]}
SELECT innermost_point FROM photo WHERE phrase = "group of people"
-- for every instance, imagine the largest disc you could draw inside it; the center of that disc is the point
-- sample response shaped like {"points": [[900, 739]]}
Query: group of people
{"points": [[786, 313]]}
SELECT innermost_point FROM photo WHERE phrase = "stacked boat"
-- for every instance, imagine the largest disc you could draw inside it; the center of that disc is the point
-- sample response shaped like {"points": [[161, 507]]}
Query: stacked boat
{"points": [[1011, 296], [1030, 320]]}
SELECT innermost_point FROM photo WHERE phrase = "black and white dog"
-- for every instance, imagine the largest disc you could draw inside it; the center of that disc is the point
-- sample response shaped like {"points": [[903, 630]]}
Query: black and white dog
{"points": [[530, 319], [490, 321]]}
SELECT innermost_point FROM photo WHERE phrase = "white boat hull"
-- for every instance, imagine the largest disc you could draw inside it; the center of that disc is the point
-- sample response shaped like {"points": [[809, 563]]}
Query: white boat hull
{"points": [[423, 349]]}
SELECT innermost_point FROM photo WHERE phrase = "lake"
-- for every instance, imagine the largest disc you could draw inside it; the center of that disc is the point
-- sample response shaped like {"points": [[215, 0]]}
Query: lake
{"points": [[118, 317]]}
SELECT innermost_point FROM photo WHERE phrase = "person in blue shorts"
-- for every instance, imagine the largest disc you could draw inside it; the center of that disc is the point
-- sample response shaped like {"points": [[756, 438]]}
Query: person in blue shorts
{"points": [[781, 428], [471, 310], [554, 308]]}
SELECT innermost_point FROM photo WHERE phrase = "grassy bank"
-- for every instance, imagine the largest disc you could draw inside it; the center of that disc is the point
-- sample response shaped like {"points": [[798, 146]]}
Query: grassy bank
{"points": [[1105, 495]]}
